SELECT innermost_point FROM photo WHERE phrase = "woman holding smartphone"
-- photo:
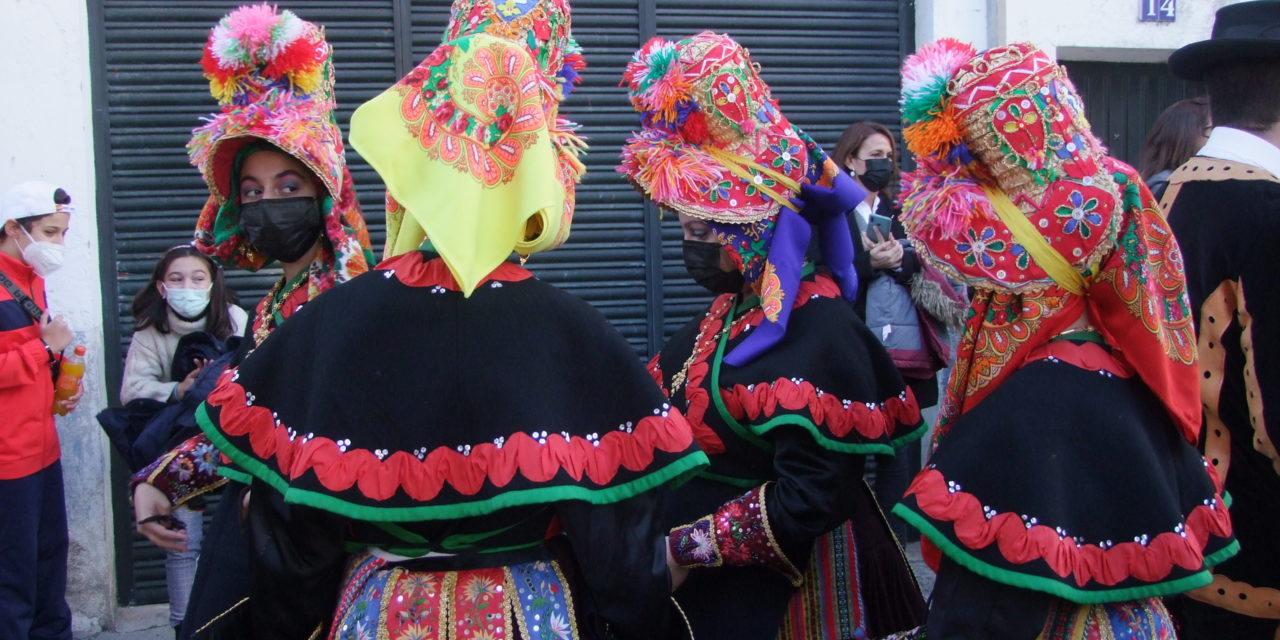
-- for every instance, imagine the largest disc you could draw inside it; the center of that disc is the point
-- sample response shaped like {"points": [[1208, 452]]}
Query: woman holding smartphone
{"points": [[904, 306]]}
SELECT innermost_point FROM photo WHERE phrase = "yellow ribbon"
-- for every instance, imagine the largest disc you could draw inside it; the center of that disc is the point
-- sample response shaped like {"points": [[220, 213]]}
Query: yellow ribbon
{"points": [[737, 165], [1025, 234]]}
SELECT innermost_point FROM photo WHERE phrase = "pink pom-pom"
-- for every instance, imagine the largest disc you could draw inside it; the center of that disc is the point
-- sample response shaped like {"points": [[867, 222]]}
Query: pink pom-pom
{"points": [[253, 26], [942, 200]]}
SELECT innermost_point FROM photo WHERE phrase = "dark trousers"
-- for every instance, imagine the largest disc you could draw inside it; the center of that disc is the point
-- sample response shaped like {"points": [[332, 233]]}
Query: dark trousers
{"points": [[33, 557]]}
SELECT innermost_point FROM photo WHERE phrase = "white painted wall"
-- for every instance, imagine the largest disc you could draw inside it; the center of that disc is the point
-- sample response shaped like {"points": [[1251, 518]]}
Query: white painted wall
{"points": [[47, 134], [1067, 29]]}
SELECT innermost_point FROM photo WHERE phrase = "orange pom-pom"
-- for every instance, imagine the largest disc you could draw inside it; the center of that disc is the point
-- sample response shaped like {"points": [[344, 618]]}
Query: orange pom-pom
{"points": [[936, 135]]}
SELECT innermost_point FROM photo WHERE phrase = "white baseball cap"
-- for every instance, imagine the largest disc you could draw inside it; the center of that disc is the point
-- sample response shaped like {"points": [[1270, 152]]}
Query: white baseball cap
{"points": [[34, 198]]}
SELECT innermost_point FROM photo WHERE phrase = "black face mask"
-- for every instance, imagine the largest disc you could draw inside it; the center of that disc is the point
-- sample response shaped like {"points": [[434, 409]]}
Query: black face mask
{"points": [[878, 173], [702, 259], [282, 228]]}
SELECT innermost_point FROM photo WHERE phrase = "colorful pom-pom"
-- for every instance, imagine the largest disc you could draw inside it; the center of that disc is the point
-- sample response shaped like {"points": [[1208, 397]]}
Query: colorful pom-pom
{"points": [[935, 135], [668, 170], [260, 40], [925, 74], [941, 199]]}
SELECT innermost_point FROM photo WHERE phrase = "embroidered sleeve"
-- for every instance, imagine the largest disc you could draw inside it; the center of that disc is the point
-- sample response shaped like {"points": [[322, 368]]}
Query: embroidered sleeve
{"points": [[187, 471], [737, 534]]}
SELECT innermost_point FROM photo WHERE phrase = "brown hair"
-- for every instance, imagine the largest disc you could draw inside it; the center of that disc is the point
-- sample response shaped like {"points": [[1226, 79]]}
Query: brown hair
{"points": [[1244, 94], [151, 310], [1175, 137], [852, 140]]}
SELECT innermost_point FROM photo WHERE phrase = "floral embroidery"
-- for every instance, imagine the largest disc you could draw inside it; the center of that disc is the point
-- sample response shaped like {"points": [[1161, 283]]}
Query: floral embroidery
{"points": [[720, 191], [494, 114], [976, 250], [787, 155], [1079, 215], [737, 535]]}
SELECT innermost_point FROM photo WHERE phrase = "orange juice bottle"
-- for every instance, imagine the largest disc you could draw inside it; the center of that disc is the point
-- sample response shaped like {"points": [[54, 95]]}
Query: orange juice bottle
{"points": [[68, 378]]}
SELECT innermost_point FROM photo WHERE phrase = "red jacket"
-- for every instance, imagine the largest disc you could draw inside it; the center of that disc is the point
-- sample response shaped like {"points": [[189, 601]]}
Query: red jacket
{"points": [[28, 440]]}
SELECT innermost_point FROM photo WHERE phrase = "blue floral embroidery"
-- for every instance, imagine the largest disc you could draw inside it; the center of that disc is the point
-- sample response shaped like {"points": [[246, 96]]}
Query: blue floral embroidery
{"points": [[976, 250], [1080, 214], [788, 156]]}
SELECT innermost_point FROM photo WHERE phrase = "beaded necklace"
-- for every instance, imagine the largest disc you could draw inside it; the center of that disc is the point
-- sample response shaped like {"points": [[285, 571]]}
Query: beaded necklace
{"points": [[276, 299]]}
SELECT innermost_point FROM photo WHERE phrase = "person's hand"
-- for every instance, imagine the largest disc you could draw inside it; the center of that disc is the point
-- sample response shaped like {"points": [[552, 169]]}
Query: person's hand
{"points": [[191, 378], [886, 253], [71, 403], [819, 203], [152, 512], [55, 332], [678, 572]]}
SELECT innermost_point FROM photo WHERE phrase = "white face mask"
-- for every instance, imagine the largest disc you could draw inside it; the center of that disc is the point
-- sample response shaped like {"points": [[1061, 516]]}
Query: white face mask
{"points": [[188, 303], [45, 257]]}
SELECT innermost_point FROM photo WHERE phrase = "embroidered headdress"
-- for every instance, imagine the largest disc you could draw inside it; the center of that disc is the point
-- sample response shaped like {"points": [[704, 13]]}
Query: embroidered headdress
{"points": [[715, 146], [272, 74], [1014, 196], [471, 144]]}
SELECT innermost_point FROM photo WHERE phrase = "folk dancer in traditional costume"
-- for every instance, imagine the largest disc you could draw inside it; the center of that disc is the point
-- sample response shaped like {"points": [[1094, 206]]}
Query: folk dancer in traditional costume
{"points": [[1065, 492], [784, 386], [474, 453], [279, 191], [1224, 207]]}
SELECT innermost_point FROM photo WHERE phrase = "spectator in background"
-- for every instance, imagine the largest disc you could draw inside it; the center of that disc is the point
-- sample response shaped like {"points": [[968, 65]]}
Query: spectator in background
{"points": [[187, 294], [1177, 135], [33, 514], [905, 303]]}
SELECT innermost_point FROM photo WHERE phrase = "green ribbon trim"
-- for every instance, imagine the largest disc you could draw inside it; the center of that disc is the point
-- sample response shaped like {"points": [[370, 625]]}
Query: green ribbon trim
{"points": [[235, 475], [1053, 587], [826, 442], [523, 497], [1088, 335], [716, 398]]}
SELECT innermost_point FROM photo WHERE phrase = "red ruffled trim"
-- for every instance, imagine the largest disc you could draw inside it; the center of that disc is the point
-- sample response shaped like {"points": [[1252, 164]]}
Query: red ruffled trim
{"points": [[1086, 355], [838, 416], [1019, 544], [423, 477], [412, 270], [697, 398]]}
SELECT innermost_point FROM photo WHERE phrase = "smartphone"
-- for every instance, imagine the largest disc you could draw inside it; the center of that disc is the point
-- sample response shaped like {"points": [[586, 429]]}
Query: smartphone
{"points": [[883, 223]]}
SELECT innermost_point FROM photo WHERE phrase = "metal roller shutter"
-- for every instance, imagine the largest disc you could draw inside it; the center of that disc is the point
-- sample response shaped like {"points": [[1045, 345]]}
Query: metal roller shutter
{"points": [[829, 61], [149, 95]]}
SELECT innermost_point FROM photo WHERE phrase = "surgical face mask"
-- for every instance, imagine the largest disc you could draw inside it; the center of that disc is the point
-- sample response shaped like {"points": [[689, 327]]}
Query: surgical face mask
{"points": [[877, 174], [43, 256], [282, 228], [187, 303], [702, 259]]}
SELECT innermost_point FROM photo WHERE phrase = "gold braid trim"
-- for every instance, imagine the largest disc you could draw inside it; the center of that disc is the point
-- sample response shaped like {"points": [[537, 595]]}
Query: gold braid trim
{"points": [[788, 569], [219, 617]]}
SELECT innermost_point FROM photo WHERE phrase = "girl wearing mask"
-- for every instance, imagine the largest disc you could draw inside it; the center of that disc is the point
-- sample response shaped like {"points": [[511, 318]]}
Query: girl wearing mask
{"points": [[33, 567], [187, 293], [785, 388], [279, 191]]}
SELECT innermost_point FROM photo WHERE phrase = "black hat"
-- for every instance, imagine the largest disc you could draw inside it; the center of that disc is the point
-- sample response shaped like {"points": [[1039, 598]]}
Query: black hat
{"points": [[1244, 31]]}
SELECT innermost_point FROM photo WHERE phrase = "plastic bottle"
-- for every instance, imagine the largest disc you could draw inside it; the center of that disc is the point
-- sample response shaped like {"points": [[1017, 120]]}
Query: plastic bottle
{"points": [[68, 378]]}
